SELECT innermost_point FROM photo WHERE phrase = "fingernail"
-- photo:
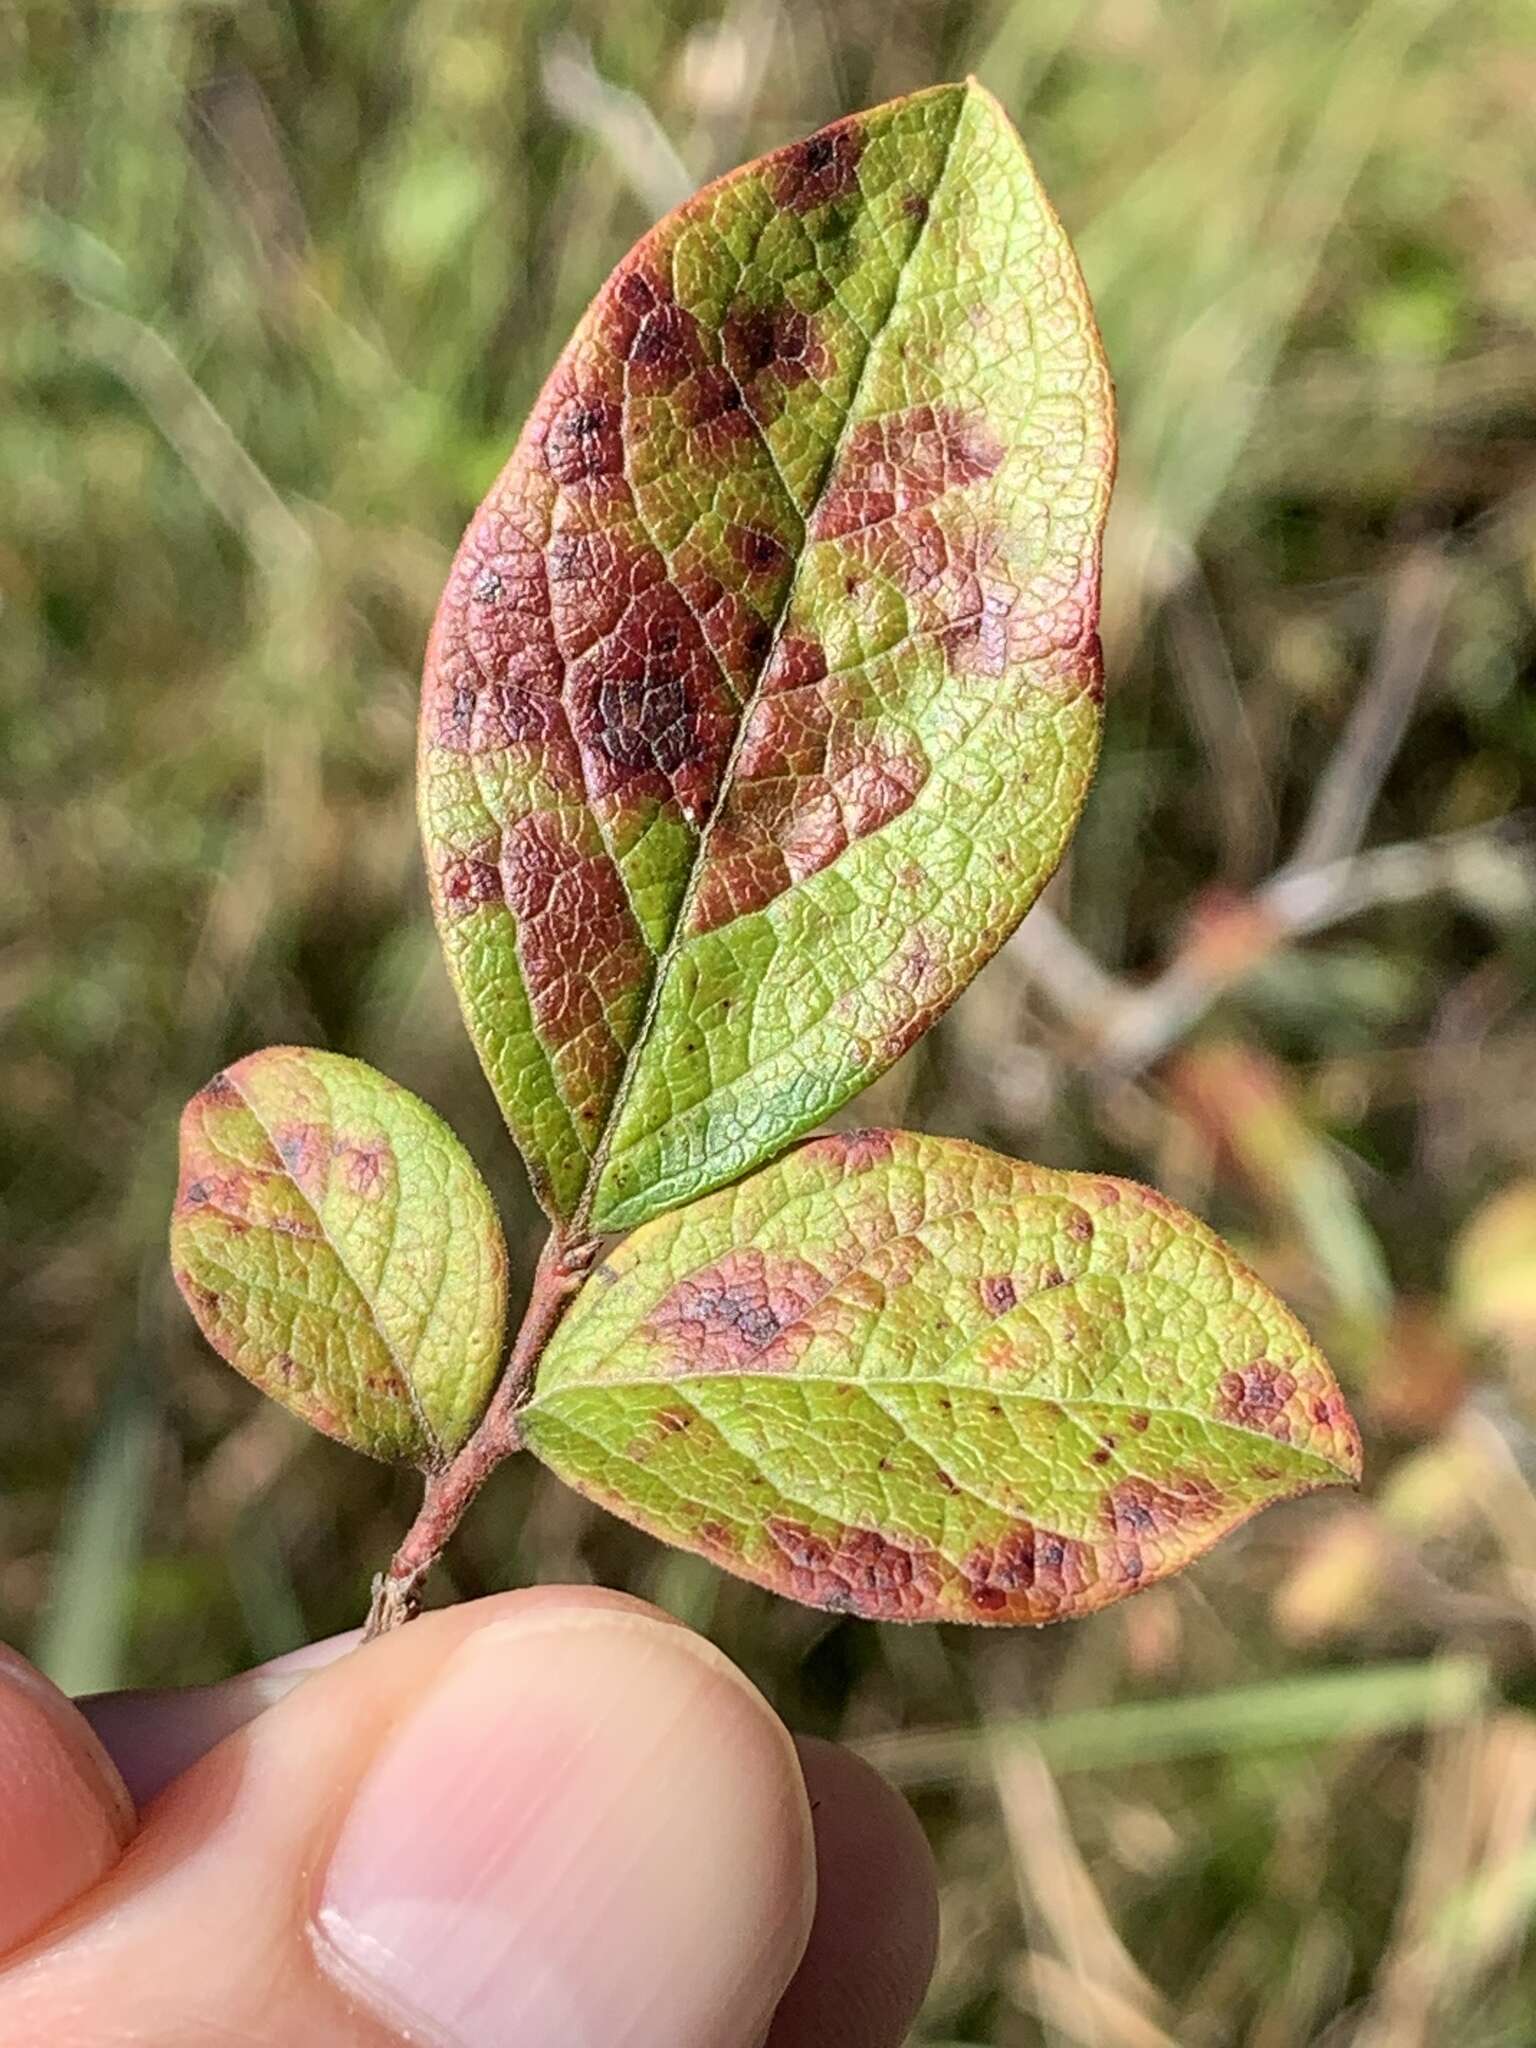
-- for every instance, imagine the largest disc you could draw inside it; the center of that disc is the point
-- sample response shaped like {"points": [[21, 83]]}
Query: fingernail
{"points": [[591, 1831]]}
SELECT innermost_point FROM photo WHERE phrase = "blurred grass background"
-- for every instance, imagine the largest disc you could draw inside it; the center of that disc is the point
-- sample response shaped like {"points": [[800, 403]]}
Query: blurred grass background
{"points": [[279, 279]]}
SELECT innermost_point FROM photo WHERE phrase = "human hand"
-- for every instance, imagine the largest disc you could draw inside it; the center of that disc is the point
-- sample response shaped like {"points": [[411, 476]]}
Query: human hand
{"points": [[554, 1819]]}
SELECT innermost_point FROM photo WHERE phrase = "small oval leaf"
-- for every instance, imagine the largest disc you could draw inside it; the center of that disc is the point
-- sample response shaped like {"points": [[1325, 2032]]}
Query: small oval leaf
{"points": [[764, 693], [907, 1378], [336, 1244]]}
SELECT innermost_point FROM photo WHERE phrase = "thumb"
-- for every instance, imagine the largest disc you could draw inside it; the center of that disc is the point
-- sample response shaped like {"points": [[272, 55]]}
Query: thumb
{"points": [[558, 1820]]}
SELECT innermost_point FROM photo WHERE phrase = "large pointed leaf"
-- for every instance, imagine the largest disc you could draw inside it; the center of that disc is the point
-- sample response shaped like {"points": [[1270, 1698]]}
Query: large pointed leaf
{"points": [[336, 1244], [764, 693], [906, 1378]]}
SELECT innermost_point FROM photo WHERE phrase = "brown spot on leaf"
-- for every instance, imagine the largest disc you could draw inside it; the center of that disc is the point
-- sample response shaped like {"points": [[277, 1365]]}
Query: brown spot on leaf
{"points": [[577, 943], [305, 1151], [1079, 1224], [770, 349], [903, 461], [670, 1420], [733, 1313], [1138, 1508], [825, 166], [863, 1149], [366, 1165], [658, 341], [859, 1571], [1030, 1574], [467, 882], [718, 414], [1255, 1397], [815, 772], [998, 1293], [584, 441], [758, 551], [649, 707]]}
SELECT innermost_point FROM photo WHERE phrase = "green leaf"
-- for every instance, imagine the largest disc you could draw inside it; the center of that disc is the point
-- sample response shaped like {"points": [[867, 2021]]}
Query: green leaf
{"points": [[337, 1246], [907, 1378], [765, 690]]}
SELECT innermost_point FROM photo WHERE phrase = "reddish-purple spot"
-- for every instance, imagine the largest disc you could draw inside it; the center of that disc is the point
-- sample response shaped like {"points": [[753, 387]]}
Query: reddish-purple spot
{"points": [[771, 349], [366, 1164], [227, 1193], [906, 460], [823, 167], [651, 712], [1256, 1397], [467, 882], [1136, 1508], [863, 1149], [1030, 1574], [814, 773], [1079, 1224], [733, 1312], [1101, 1456], [658, 341], [494, 673], [858, 1571], [204, 1301], [305, 1151], [577, 944], [715, 1534], [584, 441], [757, 551], [998, 1293], [718, 414], [1140, 1420], [220, 1092]]}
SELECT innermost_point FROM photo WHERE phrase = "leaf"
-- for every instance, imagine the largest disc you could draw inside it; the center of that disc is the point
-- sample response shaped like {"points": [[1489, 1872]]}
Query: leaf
{"points": [[907, 1378], [764, 693], [337, 1246]]}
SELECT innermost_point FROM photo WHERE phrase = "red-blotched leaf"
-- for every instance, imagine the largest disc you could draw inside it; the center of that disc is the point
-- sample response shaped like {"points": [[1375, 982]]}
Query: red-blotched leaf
{"points": [[335, 1243], [765, 690], [909, 1379]]}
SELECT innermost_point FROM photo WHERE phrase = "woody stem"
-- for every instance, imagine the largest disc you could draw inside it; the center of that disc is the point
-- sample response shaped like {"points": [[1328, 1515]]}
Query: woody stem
{"points": [[397, 1591]]}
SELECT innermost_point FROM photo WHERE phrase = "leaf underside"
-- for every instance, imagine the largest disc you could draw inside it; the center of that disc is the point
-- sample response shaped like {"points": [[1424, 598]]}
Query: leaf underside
{"points": [[905, 1378], [336, 1244], [764, 693]]}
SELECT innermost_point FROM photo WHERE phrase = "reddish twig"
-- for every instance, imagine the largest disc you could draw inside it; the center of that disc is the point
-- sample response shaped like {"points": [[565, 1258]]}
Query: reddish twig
{"points": [[397, 1592]]}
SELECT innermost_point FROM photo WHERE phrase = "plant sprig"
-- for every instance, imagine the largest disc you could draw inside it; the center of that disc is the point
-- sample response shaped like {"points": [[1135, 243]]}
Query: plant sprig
{"points": [[760, 705]]}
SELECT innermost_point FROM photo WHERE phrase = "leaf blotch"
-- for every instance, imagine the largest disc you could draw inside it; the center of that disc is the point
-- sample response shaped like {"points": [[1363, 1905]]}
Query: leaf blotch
{"points": [[903, 461], [857, 1571], [656, 339], [822, 168], [1141, 1509], [998, 1293], [737, 1309], [1257, 1397]]}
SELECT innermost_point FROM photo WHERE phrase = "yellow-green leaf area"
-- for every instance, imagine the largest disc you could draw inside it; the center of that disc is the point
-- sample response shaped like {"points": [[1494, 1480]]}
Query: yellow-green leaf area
{"points": [[336, 1244], [907, 1378], [765, 691]]}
